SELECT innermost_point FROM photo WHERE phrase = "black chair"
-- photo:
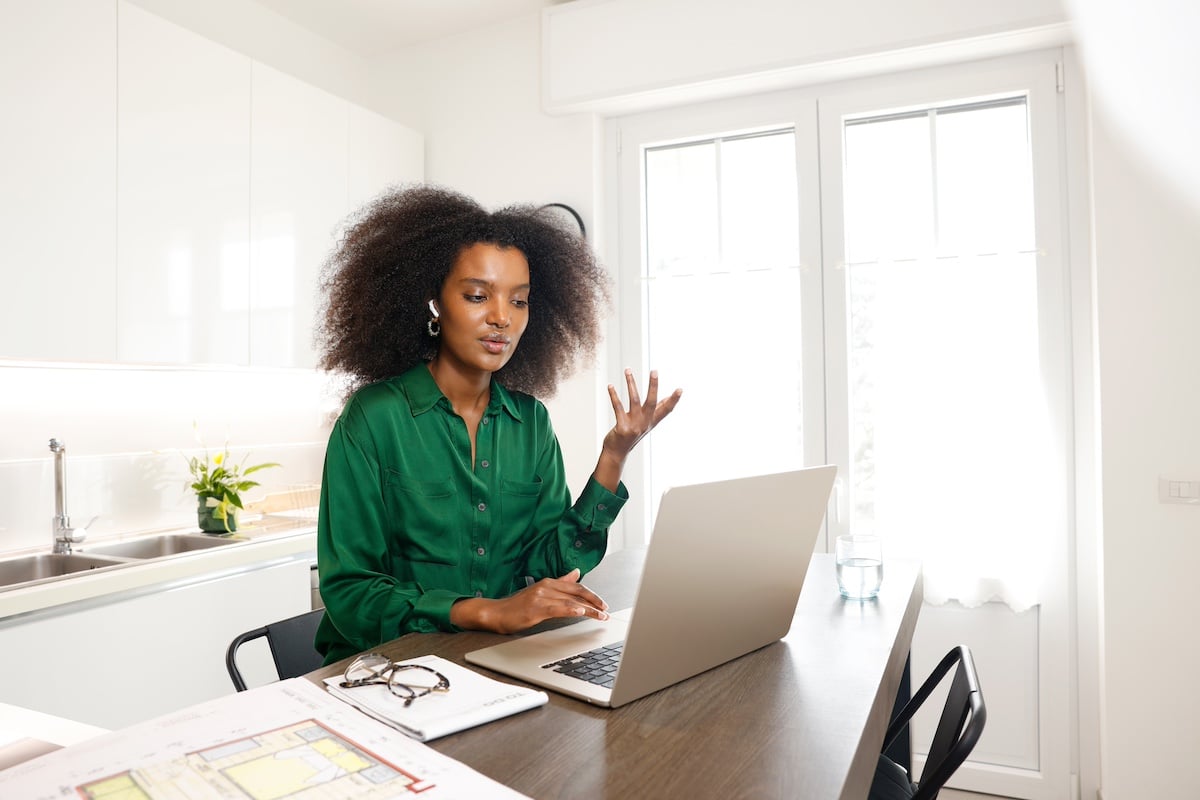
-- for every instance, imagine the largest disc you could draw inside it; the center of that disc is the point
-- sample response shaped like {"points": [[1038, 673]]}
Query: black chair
{"points": [[963, 717], [291, 642]]}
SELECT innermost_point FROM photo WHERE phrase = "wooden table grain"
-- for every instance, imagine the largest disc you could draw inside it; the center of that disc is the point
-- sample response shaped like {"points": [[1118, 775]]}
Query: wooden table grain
{"points": [[801, 718]]}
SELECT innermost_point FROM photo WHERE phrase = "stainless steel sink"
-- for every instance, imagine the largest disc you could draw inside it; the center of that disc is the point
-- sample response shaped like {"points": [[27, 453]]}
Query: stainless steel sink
{"points": [[167, 544], [49, 565]]}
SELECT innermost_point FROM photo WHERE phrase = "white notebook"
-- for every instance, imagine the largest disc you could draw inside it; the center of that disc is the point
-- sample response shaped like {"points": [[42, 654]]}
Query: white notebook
{"points": [[473, 699]]}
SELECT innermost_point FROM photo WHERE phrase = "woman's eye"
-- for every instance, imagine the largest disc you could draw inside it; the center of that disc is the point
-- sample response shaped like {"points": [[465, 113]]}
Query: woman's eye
{"points": [[475, 298], [521, 303]]}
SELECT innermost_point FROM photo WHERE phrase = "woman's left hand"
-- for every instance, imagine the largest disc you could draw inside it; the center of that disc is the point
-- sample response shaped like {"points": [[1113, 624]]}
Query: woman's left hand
{"points": [[632, 424]]}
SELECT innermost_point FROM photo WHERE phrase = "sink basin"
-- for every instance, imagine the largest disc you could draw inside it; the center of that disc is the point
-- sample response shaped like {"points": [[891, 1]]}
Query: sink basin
{"points": [[165, 545], [48, 565]]}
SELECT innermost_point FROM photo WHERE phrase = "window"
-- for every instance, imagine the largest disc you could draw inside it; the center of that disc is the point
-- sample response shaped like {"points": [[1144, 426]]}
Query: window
{"points": [[873, 275]]}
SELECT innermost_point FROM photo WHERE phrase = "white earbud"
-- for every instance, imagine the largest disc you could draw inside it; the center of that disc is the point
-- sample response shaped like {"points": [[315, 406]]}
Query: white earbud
{"points": [[433, 309]]}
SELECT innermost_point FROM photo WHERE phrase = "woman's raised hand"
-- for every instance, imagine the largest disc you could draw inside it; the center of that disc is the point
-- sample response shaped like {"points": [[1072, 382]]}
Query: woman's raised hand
{"points": [[632, 424]]}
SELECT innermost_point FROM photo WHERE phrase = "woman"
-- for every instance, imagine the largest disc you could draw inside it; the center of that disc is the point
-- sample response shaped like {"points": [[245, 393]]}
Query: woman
{"points": [[444, 503]]}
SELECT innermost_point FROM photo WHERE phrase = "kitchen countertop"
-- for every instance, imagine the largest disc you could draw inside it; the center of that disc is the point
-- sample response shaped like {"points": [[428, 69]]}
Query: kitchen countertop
{"points": [[266, 539]]}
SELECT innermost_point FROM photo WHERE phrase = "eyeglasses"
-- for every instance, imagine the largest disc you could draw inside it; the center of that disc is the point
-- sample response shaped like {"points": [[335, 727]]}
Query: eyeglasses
{"points": [[406, 681]]}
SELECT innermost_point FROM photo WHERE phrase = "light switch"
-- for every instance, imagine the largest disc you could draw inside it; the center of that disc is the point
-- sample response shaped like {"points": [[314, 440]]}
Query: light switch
{"points": [[1173, 490]]}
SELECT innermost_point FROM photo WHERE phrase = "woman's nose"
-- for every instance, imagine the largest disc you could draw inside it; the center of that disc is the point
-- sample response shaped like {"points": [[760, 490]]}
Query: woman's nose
{"points": [[498, 315]]}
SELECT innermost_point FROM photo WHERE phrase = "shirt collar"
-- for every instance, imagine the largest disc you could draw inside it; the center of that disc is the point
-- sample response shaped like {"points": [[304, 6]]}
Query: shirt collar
{"points": [[423, 394]]}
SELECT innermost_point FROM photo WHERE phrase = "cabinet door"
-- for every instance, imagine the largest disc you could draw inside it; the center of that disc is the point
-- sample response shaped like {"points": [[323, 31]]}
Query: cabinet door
{"points": [[149, 652], [382, 153], [183, 208], [297, 199], [58, 184]]}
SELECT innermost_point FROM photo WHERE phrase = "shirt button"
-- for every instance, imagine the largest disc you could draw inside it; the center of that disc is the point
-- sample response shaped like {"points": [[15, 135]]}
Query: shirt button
{"points": [[478, 593], [486, 420], [482, 506], [579, 543], [479, 551], [485, 464], [601, 507]]}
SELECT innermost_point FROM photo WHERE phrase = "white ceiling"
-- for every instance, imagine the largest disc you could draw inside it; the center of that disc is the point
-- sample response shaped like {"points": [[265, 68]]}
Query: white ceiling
{"points": [[372, 27]]}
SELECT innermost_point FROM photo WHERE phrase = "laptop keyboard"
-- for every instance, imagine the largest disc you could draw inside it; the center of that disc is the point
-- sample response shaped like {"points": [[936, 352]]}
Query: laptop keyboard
{"points": [[597, 666]]}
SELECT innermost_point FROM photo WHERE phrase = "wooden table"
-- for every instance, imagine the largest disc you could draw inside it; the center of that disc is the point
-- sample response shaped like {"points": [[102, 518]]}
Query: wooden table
{"points": [[801, 718]]}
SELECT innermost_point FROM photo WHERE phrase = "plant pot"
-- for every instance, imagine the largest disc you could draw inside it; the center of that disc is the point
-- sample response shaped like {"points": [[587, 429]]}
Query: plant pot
{"points": [[210, 523]]}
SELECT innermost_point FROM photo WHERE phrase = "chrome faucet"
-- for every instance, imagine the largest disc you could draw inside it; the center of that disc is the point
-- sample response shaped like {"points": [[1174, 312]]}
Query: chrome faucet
{"points": [[64, 534]]}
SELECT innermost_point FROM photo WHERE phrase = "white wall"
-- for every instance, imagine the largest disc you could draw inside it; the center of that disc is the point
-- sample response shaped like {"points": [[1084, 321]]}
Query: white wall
{"points": [[1147, 276], [126, 429]]}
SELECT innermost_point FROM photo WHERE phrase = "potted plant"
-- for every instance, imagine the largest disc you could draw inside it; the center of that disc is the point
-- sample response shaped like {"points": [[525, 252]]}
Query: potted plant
{"points": [[218, 487]]}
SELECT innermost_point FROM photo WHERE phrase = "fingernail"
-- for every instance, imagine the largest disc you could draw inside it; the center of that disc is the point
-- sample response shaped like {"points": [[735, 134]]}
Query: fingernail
{"points": [[603, 615]]}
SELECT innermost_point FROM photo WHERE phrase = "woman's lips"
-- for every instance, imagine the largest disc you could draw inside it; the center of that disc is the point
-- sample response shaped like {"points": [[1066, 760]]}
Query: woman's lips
{"points": [[495, 346]]}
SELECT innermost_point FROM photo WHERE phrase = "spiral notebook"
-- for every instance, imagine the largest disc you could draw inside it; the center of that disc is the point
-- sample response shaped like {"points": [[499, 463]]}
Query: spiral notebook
{"points": [[473, 699]]}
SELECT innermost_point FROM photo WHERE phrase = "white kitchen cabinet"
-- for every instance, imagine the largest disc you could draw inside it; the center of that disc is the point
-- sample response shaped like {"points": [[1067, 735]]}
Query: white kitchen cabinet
{"points": [[183, 185], [165, 199], [115, 661], [299, 172], [58, 159]]}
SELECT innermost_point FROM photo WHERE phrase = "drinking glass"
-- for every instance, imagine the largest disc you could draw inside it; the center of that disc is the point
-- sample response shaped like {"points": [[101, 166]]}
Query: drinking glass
{"points": [[859, 565]]}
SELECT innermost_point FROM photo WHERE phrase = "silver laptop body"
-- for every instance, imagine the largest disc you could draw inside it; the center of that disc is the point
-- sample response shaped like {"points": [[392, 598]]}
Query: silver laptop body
{"points": [[722, 576]]}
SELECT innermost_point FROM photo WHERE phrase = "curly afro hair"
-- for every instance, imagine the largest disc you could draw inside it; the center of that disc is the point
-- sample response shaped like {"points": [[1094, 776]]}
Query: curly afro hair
{"points": [[395, 256]]}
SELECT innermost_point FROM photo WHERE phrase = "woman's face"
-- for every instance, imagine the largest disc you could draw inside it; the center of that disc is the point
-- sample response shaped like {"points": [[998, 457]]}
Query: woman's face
{"points": [[483, 308]]}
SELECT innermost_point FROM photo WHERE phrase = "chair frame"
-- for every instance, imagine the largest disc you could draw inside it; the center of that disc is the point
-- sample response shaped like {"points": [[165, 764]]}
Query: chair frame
{"points": [[286, 639], [955, 736]]}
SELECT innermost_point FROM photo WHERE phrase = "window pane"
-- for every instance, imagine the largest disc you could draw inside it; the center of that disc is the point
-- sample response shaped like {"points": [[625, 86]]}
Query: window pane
{"points": [[984, 189], [724, 310], [682, 200], [758, 202], [888, 192], [949, 441]]}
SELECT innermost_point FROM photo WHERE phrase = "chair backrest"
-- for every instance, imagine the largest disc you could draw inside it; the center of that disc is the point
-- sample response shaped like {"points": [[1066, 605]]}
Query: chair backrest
{"points": [[291, 642], [961, 723]]}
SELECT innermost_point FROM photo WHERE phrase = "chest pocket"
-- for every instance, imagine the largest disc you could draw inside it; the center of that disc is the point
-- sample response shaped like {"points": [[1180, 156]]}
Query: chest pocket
{"points": [[422, 517], [518, 502]]}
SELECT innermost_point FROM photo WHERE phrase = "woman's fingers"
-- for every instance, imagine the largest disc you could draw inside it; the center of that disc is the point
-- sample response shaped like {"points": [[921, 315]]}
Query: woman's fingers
{"points": [[651, 393], [618, 408], [578, 593], [667, 406], [631, 388]]}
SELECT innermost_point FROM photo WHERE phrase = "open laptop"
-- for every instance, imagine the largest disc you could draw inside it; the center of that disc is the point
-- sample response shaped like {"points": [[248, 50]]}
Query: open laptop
{"points": [[722, 576]]}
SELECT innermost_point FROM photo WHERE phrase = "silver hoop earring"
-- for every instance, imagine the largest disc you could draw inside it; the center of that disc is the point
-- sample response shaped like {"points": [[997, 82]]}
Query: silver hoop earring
{"points": [[434, 327]]}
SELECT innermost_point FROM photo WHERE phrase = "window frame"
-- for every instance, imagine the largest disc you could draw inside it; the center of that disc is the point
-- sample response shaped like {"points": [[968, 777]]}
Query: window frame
{"points": [[1035, 75]]}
